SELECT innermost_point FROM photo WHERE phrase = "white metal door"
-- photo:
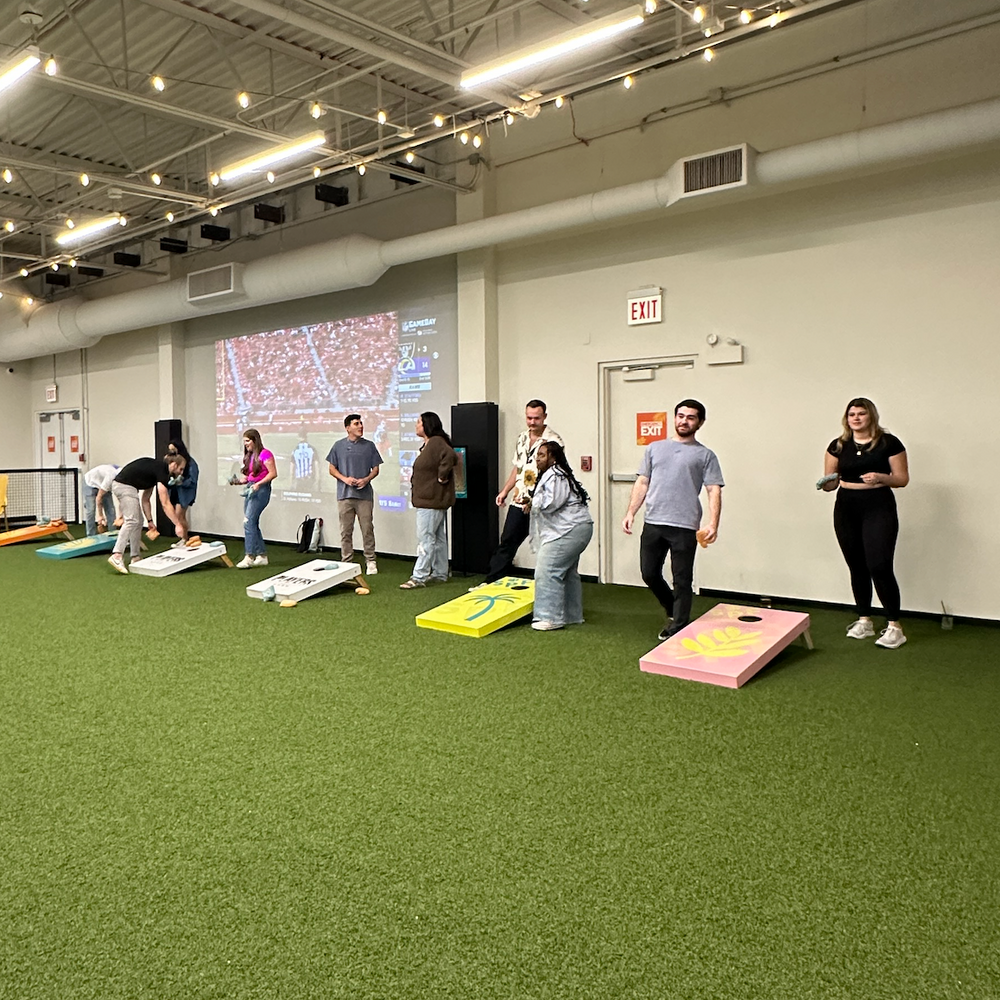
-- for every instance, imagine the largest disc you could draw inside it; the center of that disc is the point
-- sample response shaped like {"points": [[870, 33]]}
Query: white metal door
{"points": [[60, 445], [628, 389]]}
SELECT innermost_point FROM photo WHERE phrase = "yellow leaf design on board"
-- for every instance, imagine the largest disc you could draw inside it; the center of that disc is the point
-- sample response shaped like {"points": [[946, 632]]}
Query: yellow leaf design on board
{"points": [[729, 642]]}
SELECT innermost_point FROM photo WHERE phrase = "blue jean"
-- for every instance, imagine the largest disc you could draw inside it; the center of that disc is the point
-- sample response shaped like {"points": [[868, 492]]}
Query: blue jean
{"points": [[253, 506], [558, 592], [432, 545], [90, 508]]}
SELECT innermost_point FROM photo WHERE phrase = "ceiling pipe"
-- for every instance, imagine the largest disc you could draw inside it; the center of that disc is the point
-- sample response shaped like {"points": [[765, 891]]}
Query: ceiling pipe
{"points": [[357, 261]]}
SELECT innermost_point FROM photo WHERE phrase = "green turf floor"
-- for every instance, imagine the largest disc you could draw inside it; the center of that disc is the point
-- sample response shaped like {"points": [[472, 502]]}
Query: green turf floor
{"points": [[203, 796]]}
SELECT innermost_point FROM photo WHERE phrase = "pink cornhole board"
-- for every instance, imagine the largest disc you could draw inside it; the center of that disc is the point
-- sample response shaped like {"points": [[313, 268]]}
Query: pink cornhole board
{"points": [[721, 649]]}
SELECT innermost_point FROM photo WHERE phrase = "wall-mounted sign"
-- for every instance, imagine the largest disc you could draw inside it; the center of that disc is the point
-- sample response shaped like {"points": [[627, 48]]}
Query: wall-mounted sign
{"points": [[650, 427], [52, 393], [50, 444], [645, 305], [74, 443]]}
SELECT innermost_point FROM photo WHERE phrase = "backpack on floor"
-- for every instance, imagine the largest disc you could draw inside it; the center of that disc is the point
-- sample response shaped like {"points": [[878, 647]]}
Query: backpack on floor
{"points": [[310, 532]]}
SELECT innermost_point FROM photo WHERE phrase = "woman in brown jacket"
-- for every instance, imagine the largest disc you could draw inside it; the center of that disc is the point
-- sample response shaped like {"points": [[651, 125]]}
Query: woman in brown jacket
{"points": [[432, 492]]}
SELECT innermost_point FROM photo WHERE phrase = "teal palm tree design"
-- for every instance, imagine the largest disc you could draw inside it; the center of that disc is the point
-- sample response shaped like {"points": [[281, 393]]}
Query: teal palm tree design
{"points": [[489, 600]]}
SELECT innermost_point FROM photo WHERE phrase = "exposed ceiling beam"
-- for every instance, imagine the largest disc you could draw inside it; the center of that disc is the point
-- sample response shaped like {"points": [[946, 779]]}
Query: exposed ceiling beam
{"points": [[447, 76]]}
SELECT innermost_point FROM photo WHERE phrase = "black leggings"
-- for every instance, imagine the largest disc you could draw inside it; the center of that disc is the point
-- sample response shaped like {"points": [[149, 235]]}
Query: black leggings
{"points": [[867, 525]]}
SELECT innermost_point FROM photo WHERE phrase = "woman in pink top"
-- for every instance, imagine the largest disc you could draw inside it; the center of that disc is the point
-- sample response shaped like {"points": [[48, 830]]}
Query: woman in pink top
{"points": [[258, 471]]}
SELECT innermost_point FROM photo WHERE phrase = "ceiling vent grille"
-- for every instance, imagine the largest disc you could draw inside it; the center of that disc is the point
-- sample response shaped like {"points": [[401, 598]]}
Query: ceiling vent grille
{"points": [[716, 171], [215, 283]]}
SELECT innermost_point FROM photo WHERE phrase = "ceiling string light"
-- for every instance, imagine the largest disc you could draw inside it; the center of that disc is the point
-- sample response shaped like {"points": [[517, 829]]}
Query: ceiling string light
{"points": [[243, 99], [156, 82]]}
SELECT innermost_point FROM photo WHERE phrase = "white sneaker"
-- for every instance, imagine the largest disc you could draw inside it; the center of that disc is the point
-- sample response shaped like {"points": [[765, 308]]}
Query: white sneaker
{"points": [[371, 569], [118, 563], [245, 563], [259, 561], [861, 629], [891, 638], [545, 626], [179, 544]]}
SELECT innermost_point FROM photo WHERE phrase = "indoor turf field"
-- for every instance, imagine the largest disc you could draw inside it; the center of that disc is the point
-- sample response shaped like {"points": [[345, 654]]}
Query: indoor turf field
{"points": [[203, 796]]}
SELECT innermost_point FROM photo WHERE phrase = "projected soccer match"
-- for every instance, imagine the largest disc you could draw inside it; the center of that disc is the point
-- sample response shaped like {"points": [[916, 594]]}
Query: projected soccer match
{"points": [[296, 385]]}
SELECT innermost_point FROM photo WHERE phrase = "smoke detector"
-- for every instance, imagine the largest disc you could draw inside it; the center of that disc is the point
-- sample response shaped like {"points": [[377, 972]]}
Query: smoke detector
{"points": [[31, 17]]}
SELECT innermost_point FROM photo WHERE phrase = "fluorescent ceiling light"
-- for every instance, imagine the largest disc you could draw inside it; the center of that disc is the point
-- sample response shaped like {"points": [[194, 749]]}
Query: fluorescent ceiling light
{"points": [[276, 155], [12, 71], [597, 31], [80, 233]]}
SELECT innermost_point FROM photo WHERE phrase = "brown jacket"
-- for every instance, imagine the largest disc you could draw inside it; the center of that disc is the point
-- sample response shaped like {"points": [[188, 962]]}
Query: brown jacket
{"points": [[436, 461]]}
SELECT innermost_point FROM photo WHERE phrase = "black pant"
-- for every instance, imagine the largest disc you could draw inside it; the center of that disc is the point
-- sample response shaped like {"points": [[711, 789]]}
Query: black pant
{"points": [[866, 524], [682, 543], [515, 531]]}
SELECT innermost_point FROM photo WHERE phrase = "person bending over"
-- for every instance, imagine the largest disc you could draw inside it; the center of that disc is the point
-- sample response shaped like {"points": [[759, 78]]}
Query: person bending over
{"points": [[132, 488]]}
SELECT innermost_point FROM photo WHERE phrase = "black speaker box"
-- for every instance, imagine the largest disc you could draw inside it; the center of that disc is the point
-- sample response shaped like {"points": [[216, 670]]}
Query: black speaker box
{"points": [[475, 521], [164, 431]]}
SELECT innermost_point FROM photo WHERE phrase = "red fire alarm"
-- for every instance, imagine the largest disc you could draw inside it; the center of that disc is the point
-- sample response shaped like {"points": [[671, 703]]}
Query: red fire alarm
{"points": [[586, 463]]}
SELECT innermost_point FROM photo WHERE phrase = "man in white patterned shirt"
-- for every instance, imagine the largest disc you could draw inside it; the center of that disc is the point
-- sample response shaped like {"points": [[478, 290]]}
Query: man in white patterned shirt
{"points": [[520, 483]]}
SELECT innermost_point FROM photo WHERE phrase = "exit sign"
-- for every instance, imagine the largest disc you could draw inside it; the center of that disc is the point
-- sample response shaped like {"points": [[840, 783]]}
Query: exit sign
{"points": [[645, 306]]}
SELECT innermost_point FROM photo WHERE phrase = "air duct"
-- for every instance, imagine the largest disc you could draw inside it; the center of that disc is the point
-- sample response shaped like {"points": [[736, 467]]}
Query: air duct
{"points": [[357, 261]]}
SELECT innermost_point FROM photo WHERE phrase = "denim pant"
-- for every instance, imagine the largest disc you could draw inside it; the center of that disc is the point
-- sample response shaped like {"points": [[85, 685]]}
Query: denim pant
{"points": [[90, 508], [432, 545], [253, 506], [558, 593]]}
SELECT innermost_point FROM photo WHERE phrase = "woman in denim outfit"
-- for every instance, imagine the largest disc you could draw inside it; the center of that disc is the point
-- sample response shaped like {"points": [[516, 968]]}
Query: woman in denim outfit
{"points": [[561, 528]]}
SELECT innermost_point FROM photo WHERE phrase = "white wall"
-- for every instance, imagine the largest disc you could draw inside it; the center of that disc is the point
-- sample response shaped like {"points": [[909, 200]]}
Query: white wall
{"points": [[15, 416], [883, 288]]}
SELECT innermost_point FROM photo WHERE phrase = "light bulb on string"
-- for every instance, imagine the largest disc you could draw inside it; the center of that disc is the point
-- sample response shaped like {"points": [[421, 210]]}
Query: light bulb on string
{"points": [[382, 117], [627, 82], [559, 102], [438, 121], [410, 156], [708, 55], [51, 66], [157, 84], [477, 141], [746, 16], [243, 99]]}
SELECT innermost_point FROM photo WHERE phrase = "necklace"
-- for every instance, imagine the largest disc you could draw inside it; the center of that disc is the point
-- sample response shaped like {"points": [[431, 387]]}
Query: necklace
{"points": [[860, 445]]}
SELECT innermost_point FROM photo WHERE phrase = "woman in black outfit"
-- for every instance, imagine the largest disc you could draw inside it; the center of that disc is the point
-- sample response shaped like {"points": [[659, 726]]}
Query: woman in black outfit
{"points": [[865, 464]]}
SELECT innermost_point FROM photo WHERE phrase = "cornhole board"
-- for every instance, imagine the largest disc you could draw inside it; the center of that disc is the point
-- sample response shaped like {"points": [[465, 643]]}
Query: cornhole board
{"points": [[176, 560], [307, 580], [728, 645], [79, 547], [34, 531], [483, 610]]}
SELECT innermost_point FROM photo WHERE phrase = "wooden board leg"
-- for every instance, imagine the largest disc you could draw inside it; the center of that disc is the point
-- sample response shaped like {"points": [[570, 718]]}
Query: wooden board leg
{"points": [[68, 534], [808, 639], [227, 561]]}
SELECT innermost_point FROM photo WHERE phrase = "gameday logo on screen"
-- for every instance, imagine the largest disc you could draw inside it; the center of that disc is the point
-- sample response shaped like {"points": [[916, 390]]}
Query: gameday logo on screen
{"points": [[650, 427]]}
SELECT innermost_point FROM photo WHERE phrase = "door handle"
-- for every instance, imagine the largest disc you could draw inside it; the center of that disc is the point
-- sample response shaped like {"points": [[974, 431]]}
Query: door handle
{"points": [[623, 477]]}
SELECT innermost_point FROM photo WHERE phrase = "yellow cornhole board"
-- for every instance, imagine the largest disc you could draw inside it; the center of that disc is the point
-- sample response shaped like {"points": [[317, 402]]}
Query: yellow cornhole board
{"points": [[35, 531], [483, 610]]}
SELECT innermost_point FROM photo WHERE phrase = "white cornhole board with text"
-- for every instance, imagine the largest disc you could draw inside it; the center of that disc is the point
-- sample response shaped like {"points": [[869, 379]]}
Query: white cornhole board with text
{"points": [[177, 560], [307, 580]]}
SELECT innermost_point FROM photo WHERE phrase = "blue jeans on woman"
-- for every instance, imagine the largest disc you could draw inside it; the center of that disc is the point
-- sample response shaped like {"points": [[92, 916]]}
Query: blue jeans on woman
{"points": [[432, 545], [253, 506], [558, 592], [90, 509]]}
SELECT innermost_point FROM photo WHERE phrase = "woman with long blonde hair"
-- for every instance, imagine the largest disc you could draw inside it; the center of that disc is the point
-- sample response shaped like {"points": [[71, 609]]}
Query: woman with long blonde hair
{"points": [[864, 465]]}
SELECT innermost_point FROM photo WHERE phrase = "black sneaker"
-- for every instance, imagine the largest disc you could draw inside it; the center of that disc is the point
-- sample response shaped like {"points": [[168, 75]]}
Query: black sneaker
{"points": [[665, 631], [672, 630]]}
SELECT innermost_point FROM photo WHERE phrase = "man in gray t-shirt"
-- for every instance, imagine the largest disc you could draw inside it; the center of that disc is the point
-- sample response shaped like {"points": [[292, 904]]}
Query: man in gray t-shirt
{"points": [[671, 476], [354, 462]]}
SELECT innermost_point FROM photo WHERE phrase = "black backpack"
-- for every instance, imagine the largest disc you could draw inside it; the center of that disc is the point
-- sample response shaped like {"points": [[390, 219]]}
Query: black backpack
{"points": [[309, 534]]}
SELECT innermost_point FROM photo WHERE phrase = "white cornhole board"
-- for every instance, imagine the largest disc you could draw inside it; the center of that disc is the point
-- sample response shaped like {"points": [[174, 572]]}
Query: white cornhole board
{"points": [[175, 560], [307, 580]]}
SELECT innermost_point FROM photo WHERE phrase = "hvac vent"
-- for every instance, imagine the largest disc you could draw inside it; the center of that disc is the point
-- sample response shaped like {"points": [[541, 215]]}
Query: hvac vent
{"points": [[216, 282], [723, 168]]}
